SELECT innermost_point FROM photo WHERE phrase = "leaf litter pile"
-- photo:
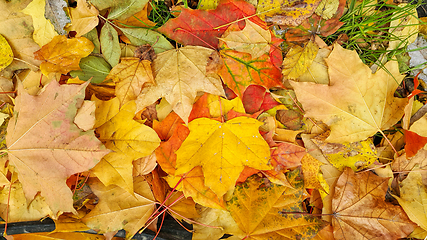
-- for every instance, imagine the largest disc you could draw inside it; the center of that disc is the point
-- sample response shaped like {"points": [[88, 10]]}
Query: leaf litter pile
{"points": [[244, 119]]}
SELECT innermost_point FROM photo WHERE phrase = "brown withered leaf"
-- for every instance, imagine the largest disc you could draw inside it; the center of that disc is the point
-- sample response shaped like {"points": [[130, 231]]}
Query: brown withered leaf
{"points": [[361, 211]]}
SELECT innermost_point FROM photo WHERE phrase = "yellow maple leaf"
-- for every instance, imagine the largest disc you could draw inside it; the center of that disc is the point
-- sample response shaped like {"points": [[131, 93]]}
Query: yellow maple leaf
{"points": [[413, 198], [6, 54], [130, 75], [63, 55], [298, 60], [44, 31], [223, 149], [357, 103], [268, 211], [179, 75], [128, 139], [84, 18], [118, 209], [252, 39]]}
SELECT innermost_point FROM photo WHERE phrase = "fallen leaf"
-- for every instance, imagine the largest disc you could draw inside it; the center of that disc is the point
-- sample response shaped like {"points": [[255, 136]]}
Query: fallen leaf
{"points": [[316, 25], [356, 155], [44, 31], [182, 208], [130, 76], [355, 97], [256, 98], [139, 19], [318, 70], [6, 54], [313, 178], [252, 39], [110, 45], [230, 146], [60, 235], [94, 68], [14, 26], [413, 198], [141, 36], [404, 30], [85, 117], [221, 221], [84, 18], [361, 211], [286, 12], [122, 11], [193, 186], [327, 8], [15, 207], [63, 55], [145, 165], [198, 27], [128, 140], [179, 75], [240, 70], [272, 212], [119, 209], [286, 155], [406, 164], [298, 60], [50, 136], [414, 143], [219, 106]]}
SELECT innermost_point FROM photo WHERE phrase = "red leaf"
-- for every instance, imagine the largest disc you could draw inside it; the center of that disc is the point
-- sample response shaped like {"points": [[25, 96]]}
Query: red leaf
{"points": [[196, 27], [414, 142], [166, 127], [240, 70], [256, 98], [287, 155], [200, 108], [316, 25], [416, 84]]}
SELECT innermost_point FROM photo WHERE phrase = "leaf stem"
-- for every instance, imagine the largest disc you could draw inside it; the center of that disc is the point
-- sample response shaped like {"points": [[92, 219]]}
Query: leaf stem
{"points": [[391, 145]]}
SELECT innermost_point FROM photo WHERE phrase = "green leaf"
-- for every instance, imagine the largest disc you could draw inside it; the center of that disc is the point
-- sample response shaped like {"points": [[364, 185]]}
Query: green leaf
{"points": [[93, 37], [120, 10], [92, 66], [110, 45], [140, 36]]}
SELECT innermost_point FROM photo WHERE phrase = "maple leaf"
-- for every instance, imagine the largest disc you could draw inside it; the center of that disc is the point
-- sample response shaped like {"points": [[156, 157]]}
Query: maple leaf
{"points": [[44, 31], [84, 18], [355, 97], [316, 25], [413, 198], [198, 27], [298, 60], [252, 39], [221, 219], [45, 145], [128, 139], [63, 55], [14, 26], [6, 54], [356, 155], [130, 76], [230, 146], [286, 12], [241, 70], [271, 212], [193, 185], [179, 75], [256, 98], [361, 211], [119, 209]]}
